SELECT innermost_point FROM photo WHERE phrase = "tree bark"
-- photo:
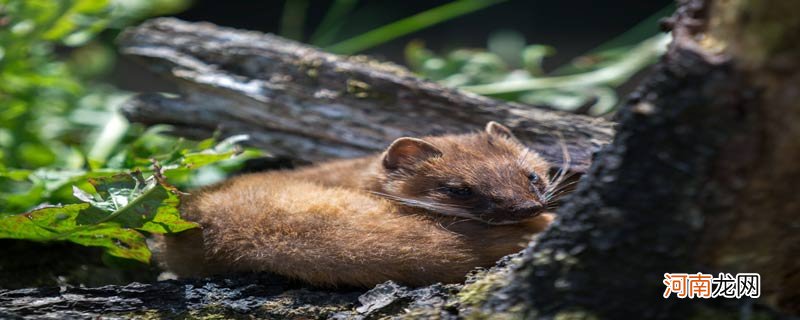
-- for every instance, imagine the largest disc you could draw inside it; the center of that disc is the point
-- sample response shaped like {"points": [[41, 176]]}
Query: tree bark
{"points": [[701, 177], [243, 296], [294, 100]]}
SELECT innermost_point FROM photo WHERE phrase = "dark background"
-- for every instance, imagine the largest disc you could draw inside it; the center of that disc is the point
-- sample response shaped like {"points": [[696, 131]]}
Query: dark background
{"points": [[572, 27]]}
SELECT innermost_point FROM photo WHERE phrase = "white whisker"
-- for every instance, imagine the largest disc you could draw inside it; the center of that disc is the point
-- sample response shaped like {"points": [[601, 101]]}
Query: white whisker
{"points": [[566, 163], [443, 209], [564, 187]]}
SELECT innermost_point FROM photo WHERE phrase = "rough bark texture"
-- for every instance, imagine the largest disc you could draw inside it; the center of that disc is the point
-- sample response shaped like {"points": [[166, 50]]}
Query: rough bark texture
{"points": [[701, 177], [297, 101], [236, 297], [248, 296]]}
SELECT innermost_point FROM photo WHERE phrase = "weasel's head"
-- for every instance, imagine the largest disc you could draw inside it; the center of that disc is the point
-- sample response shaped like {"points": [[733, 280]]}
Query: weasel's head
{"points": [[487, 176]]}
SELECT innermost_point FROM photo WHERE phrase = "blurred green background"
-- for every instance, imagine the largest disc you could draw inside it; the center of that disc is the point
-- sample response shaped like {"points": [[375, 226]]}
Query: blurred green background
{"points": [[62, 81]]}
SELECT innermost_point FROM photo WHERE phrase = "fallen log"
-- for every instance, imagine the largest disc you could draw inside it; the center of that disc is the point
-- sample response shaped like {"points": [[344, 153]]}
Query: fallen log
{"points": [[297, 101]]}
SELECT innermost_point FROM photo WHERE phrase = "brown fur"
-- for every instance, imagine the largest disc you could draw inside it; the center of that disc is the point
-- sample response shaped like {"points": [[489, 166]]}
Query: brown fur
{"points": [[342, 223]]}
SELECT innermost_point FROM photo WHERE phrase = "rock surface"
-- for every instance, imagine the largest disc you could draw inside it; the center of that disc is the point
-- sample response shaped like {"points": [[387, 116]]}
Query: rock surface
{"points": [[248, 296]]}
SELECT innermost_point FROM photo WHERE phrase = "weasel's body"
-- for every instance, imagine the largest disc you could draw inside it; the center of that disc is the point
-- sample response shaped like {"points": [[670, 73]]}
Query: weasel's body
{"points": [[424, 211]]}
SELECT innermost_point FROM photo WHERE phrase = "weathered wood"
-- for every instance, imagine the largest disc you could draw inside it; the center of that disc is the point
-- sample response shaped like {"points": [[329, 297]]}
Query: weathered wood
{"points": [[243, 296], [295, 100], [701, 177]]}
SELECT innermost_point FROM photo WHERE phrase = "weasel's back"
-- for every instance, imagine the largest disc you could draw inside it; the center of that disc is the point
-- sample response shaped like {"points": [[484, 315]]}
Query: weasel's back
{"points": [[322, 235]]}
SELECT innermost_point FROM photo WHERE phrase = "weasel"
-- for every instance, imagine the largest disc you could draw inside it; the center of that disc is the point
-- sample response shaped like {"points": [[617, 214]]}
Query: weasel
{"points": [[425, 210]]}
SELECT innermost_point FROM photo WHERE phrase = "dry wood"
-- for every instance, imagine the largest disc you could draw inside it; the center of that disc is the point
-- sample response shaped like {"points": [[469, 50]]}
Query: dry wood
{"points": [[295, 100]]}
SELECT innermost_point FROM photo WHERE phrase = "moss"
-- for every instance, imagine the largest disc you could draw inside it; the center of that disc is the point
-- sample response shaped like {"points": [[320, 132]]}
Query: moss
{"points": [[417, 314], [575, 315], [202, 314], [479, 315], [358, 88], [387, 67], [753, 31], [708, 313], [310, 66], [473, 296], [146, 315], [516, 312], [277, 310], [479, 291], [288, 309]]}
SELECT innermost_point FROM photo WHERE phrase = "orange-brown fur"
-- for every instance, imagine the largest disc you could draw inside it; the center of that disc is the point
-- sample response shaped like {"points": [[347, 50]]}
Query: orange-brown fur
{"points": [[330, 224]]}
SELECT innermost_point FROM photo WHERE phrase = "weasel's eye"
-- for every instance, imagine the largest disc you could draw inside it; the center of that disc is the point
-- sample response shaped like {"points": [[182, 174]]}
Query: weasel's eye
{"points": [[458, 191], [534, 178]]}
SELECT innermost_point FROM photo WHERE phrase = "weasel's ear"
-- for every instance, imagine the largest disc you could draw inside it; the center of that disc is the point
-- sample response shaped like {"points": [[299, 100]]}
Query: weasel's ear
{"points": [[408, 151], [496, 129]]}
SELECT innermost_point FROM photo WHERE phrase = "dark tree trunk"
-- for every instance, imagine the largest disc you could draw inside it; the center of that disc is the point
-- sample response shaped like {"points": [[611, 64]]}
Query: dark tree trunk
{"points": [[701, 177]]}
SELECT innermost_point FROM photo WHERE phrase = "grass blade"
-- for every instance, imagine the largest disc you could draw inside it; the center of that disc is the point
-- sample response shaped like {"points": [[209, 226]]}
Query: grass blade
{"points": [[332, 22], [293, 19], [640, 32], [408, 25], [641, 56]]}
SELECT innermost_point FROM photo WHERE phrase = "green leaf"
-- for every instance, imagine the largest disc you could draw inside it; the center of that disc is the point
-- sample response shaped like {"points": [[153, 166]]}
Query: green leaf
{"points": [[507, 44], [533, 56], [118, 242], [224, 150], [637, 58], [16, 175], [124, 205], [83, 15], [61, 224], [134, 202]]}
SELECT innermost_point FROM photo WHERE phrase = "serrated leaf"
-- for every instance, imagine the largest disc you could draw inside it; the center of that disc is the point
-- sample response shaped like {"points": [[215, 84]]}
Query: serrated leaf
{"points": [[126, 184], [134, 202], [124, 205], [167, 221], [61, 223], [118, 242]]}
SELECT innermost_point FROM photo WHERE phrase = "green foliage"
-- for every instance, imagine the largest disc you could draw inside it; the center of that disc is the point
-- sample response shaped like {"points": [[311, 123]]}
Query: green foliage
{"points": [[511, 69], [44, 99], [120, 205], [60, 223], [68, 159]]}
